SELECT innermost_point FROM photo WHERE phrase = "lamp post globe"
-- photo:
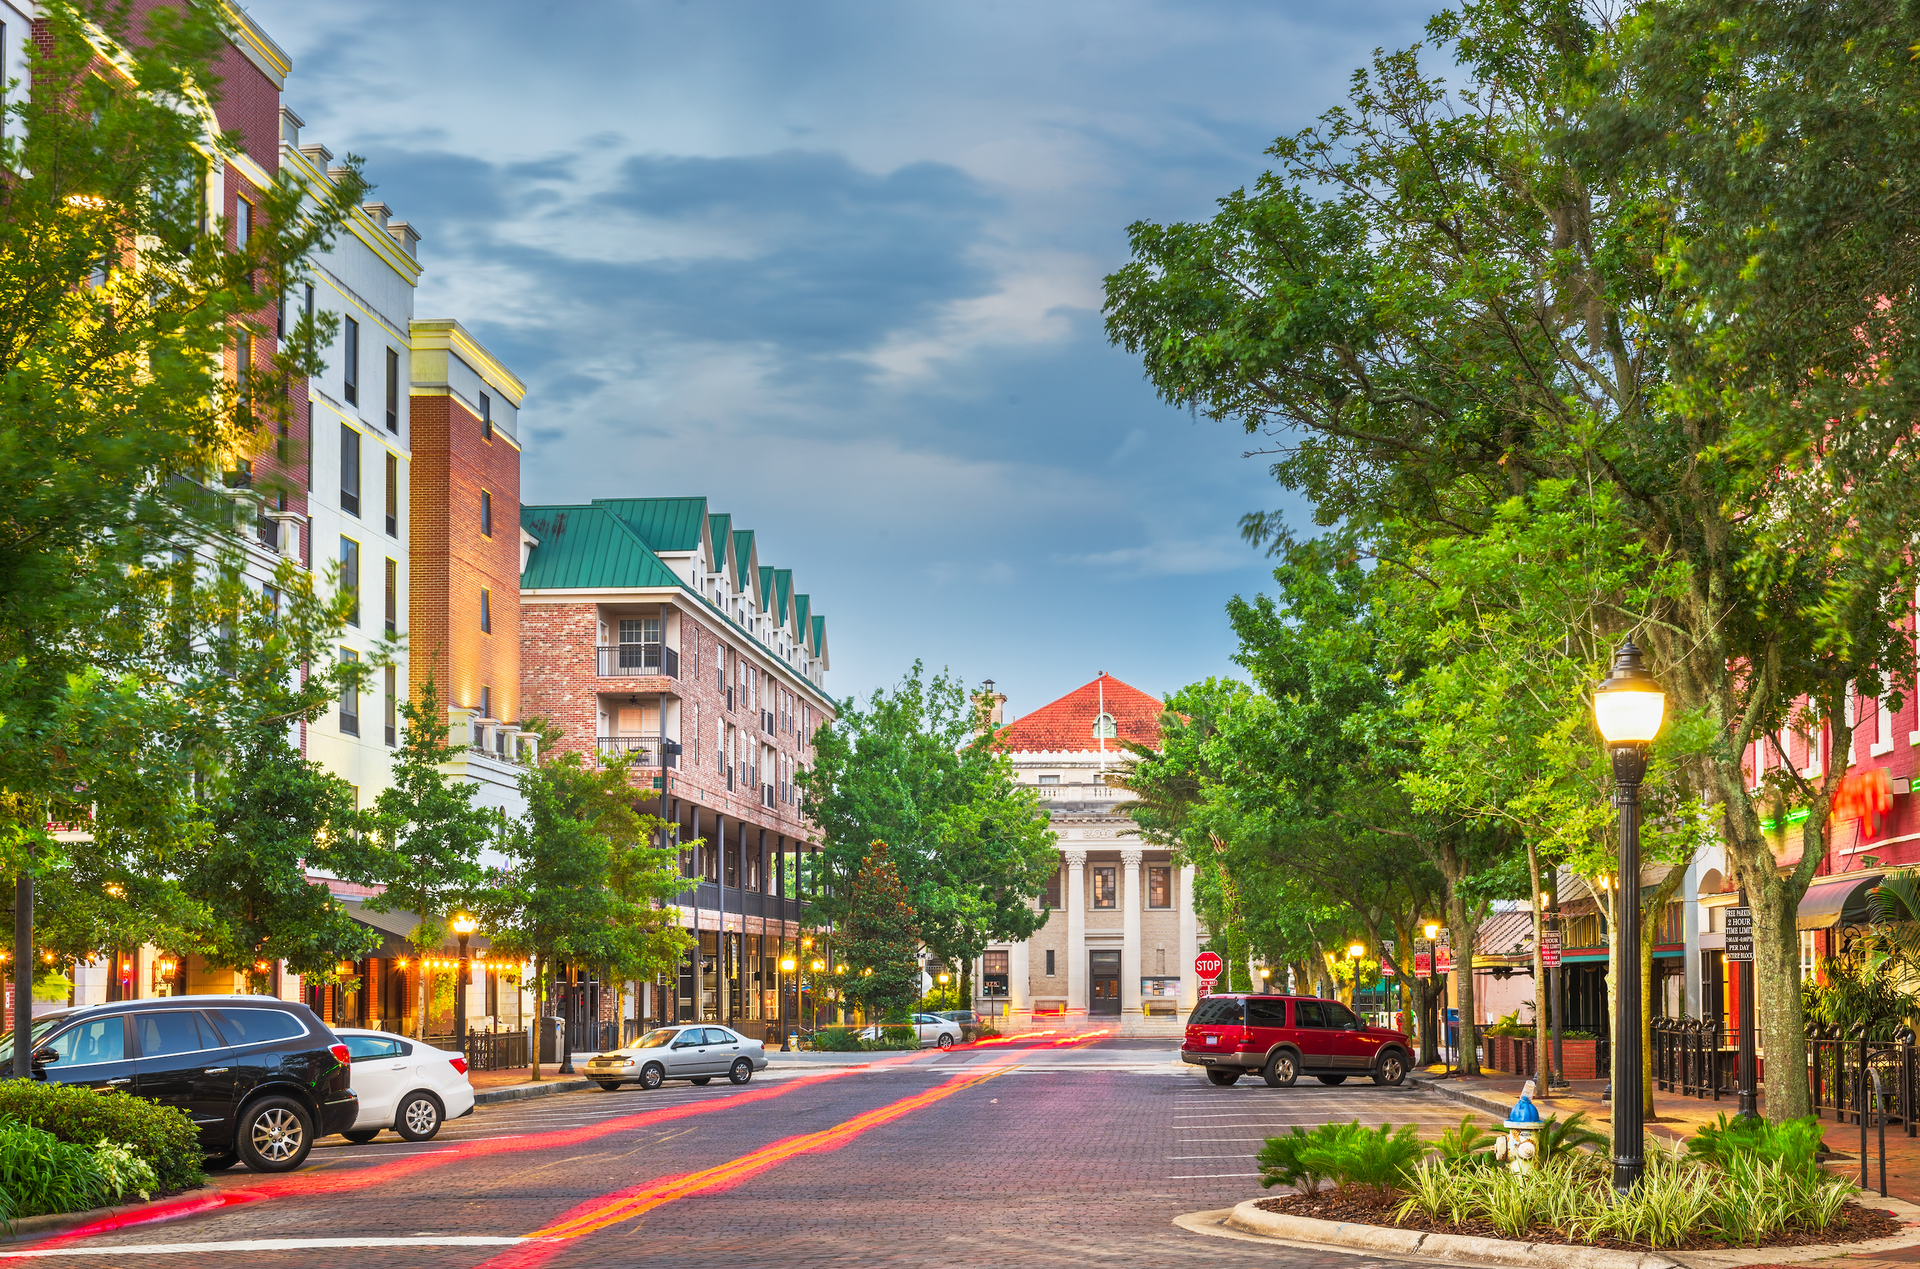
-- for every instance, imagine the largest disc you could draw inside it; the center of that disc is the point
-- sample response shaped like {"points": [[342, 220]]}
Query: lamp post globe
{"points": [[1628, 708], [464, 925]]}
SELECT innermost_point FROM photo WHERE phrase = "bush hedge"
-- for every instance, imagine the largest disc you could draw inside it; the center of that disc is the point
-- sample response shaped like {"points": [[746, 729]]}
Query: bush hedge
{"points": [[161, 1135]]}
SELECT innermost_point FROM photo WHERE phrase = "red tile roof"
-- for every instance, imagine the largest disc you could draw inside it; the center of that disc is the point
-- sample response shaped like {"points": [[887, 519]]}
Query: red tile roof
{"points": [[1066, 725]]}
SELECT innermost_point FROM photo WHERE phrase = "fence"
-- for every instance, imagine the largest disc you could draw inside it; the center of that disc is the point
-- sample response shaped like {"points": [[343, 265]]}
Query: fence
{"points": [[1692, 1057], [495, 1050]]}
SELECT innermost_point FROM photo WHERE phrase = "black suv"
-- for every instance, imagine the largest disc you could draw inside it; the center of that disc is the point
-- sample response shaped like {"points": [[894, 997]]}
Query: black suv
{"points": [[261, 1077]]}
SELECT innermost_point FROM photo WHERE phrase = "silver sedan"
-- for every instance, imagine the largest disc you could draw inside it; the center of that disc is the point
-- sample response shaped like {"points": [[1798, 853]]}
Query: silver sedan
{"points": [[692, 1053]]}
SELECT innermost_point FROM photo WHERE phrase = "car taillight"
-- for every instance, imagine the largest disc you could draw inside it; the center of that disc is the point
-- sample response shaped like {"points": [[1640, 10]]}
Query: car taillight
{"points": [[458, 1064], [341, 1055]]}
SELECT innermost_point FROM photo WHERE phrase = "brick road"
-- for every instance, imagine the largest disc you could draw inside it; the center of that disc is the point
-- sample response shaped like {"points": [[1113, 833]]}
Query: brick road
{"points": [[1081, 1156]]}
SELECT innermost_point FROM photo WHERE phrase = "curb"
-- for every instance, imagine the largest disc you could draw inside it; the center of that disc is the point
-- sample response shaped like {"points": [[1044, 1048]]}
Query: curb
{"points": [[1388, 1241], [519, 1092], [28, 1228], [1464, 1096]]}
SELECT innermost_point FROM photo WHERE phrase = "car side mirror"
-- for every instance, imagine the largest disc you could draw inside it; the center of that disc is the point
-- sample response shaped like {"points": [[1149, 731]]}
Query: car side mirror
{"points": [[43, 1056]]}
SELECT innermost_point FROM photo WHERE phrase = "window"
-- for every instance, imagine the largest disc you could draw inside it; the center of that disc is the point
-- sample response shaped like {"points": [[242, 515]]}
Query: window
{"points": [[90, 1043], [1104, 728], [349, 698], [393, 690], [349, 470], [164, 1033], [1266, 1013], [1050, 963], [1306, 1013], [486, 418], [486, 611], [1049, 780], [1806, 955], [720, 745], [993, 974], [350, 369], [1159, 886], [486, 702], [393, 391], [366, 1046], [1216, 1011], [393, 597], [1105, 894], [242, 223], [1883, 712], [486, 514], [254, 1026], [1053, 889], [393, 494], [243, 371], [350, 576]]}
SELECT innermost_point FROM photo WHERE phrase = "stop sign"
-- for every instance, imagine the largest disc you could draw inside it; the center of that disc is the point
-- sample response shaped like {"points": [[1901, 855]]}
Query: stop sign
{"points": [[1208, 965]]}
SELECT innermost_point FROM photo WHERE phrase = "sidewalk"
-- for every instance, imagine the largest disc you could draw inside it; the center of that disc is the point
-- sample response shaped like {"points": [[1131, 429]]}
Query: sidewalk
{"points": [[1676, 1118]]}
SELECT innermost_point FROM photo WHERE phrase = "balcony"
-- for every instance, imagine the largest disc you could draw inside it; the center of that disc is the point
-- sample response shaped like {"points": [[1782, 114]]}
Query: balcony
{"points": [[638, 660], [647, 750]]}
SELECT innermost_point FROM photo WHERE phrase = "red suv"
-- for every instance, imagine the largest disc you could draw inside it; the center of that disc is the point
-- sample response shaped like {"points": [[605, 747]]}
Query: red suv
{"points": [[1285, 1037]]}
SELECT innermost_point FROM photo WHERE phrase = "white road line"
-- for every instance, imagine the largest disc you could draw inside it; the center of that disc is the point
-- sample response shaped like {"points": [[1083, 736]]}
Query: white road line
{"points": [[272, 1244]]}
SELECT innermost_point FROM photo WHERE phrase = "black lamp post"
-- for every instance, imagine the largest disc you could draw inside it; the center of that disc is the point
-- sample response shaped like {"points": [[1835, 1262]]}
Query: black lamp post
{"points": [[1749, 1078], [1557, 1000], [463, 925], [787, 966], [1627, 708], [1436, 1038]]}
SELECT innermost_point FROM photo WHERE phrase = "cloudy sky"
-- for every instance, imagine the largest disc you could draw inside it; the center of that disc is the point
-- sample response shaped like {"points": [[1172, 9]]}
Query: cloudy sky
{"points": [[837, 267]]}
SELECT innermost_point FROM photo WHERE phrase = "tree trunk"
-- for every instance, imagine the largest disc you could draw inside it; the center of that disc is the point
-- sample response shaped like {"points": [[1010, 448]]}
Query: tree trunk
{"points": [[1465, 928], [1542, 1040], [1779, 1018]]}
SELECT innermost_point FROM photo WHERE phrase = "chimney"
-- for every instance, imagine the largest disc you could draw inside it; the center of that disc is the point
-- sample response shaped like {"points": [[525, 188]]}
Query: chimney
{"points": [[408, 239], [379, 211], [318, 155], [992, 704], [290, 125]]}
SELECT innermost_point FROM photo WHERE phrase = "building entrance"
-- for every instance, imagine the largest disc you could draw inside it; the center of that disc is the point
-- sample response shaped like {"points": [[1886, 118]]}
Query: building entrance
{"points": [[1104, 978]]}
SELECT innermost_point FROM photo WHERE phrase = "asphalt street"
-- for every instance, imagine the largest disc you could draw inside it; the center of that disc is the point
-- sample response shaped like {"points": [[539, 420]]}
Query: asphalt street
{"points": [[980, 1157]]}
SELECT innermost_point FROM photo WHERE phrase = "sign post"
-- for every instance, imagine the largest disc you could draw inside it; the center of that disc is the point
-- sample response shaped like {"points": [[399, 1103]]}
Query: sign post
{"points": [[1739, 952], [1207, 967]]}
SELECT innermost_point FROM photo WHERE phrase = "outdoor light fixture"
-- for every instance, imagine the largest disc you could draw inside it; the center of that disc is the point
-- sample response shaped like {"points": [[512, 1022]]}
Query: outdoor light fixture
{"points": [[464, 924], [817, 966], [840, 969], [788, 964], [261, 966], [1433, 931], [945, 978], [1265, 973], [1357, 951], [1627, 708]]}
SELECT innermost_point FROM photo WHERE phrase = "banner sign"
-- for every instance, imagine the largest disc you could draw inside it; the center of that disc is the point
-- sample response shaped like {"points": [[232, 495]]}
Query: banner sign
{"points": [[1549, 949], [1422, 964], [1386, 958], [1739, 929], [1445, 956]]}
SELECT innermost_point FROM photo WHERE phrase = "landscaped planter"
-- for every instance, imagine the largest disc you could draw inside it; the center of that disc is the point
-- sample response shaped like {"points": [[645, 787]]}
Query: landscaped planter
{"points": [[1506, 1053], [1580, 1058]]}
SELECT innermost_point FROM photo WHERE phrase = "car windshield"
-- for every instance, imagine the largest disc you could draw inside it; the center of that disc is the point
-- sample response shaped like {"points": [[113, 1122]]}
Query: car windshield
{"points": [[655, 1039], [41, 1027]]}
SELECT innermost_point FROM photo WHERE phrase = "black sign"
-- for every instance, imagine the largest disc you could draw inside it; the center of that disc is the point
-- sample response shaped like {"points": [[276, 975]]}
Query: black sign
{"points": [[1739, 928]]}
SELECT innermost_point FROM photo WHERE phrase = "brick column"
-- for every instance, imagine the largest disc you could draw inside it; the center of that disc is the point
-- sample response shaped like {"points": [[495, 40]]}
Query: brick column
{"points": [[1077, 933], [1129, 933]]}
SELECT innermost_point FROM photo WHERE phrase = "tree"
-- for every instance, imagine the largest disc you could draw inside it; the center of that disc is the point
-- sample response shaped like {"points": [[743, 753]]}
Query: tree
{"points": [[429, 833], [1672, 258], [581, 882], [879, 945], [971, 847]]}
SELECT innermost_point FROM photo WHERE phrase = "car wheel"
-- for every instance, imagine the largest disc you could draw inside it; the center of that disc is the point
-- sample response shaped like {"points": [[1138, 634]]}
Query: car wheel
{"points": [[360, 1136], [651, 1075], [419, 1117], [1331, 1079], [699, 1079], [1282, 1069], [219, 1162], [946, 1039], [1392, 1070], [275, 1135], [1221, 1078], [741, 1071], [612, 1086]]}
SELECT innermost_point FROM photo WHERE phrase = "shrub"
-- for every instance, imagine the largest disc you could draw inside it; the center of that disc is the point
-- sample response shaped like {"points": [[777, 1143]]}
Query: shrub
{"points": [[1558, 1136], [1468, 1146], [1346, 1154], [163, 1136], [837, 1040], [1794, 1144], [1281, 1164], [901, 1036], [41, 1175]]}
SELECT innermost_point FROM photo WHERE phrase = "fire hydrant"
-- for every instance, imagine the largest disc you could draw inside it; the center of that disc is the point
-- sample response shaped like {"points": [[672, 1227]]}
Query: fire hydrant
{"points": [[1517, 1147]]}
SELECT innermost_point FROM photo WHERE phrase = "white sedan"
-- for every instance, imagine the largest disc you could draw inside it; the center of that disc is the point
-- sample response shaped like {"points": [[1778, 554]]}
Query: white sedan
{"points": [[692, 1053], [404, 1085], [932, 1029]]}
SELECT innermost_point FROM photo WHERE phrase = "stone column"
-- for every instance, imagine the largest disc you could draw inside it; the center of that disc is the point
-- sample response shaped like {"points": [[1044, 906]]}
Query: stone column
{"points": [[1189, 941], [1019, 989], [1129, 933], [1077, 933]]}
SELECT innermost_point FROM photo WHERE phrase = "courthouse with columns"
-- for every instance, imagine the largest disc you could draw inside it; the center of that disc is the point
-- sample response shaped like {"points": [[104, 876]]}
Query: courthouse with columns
{"points": [[1117, 949]]}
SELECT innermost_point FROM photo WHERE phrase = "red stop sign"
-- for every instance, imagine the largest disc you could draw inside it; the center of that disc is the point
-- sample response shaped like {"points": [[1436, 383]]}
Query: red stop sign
{"points": [[1208, 965]]}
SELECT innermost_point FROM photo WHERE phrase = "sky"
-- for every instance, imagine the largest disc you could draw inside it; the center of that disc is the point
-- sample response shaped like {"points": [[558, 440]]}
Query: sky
{"points": [[837, 267]]}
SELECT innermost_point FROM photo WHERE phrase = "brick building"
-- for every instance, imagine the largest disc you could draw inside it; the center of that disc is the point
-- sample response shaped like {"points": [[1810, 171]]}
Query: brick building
{"points": [[1118, 947], [649, 626]]}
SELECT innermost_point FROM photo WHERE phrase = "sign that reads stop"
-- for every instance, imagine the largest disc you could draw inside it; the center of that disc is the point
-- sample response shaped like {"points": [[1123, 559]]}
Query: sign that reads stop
{"points": [[1207, 966]]}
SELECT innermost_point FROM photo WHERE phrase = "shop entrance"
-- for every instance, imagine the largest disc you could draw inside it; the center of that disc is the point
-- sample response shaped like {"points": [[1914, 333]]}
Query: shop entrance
{"points": [[1104, 978]]}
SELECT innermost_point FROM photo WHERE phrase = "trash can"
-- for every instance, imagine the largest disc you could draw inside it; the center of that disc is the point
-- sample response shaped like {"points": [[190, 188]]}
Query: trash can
{"points": [[553, 1038]]}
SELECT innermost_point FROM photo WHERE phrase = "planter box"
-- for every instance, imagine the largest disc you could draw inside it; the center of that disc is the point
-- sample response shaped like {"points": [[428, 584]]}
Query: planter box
{"points": [[1581, 1058], [1507, 1054]]}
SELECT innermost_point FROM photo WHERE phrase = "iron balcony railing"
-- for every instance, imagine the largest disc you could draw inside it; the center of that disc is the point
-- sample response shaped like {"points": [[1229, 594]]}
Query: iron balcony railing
{"points": [[648, 749], [638, 660]]}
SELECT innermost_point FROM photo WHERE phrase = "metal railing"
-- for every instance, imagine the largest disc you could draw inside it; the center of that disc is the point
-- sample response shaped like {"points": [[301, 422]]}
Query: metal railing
{"points": [[638, 660], [646, 747], [1696, 1058], [494, 1050], [1693, 1057]]}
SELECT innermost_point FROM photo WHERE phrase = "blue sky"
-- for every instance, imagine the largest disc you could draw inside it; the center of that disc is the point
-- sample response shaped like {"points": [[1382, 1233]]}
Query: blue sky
{"points": [[837, 267]]}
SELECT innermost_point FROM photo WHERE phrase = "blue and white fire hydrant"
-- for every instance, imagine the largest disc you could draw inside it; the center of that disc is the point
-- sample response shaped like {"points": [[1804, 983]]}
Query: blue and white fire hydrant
{"points": [[1518, 1147]]}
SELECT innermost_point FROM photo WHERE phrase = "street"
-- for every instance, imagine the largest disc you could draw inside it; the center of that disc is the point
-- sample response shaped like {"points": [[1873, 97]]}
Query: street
{"points": [[1026, 1154]]}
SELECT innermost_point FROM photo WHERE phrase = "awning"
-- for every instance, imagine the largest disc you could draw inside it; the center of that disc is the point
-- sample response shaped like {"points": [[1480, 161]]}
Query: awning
{"points": [[1834, 903]]}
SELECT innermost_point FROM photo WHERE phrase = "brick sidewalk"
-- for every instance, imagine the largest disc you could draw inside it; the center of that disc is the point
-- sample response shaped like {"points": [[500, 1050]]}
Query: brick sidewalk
{"points": [[1677, 1118]]}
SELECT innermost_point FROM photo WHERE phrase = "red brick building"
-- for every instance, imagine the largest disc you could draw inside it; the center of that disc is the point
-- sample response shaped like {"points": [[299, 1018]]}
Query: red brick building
{"points": [[649, 626]]}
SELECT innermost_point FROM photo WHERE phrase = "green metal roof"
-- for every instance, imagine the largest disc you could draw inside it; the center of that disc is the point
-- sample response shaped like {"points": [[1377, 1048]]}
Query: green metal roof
{"points": [[665, 524], [820, 636], [719, 541], [743, 561], [800, 603], [766, 588], [783, 586], [587, 548]]}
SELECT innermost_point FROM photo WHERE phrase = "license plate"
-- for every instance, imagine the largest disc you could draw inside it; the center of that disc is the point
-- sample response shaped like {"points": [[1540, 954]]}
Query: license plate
{"points": [[1213, 1039]]}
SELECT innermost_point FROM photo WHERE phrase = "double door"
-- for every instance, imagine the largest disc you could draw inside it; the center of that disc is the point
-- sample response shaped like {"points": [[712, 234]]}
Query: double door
{"points": [[1103, 983]]}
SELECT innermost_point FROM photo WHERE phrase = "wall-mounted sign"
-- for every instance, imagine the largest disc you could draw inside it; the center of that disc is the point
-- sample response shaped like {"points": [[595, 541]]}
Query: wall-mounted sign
{"points": [[1739, 930]]}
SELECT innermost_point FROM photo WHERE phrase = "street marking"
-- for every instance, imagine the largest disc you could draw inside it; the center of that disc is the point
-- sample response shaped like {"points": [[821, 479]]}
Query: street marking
{"points": [[276, 1244], [625, 1205]]}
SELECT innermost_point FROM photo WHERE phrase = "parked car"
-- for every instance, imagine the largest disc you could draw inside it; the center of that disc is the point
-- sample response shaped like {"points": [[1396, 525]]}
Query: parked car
{"points": [[969, 1021], [404, 1085], [692, 1053], [260, 1077], [931, 1028], [1281, 1038]]}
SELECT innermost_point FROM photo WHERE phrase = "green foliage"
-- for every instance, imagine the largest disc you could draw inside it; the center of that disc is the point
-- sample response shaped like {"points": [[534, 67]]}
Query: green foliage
{"points": [[837, 1040], [880, 938], [1469, 1145], [1509, 1024], [124, 1171], [1282, 1162], [1557, 1136], [161, 1136], [1793, 1145], [1378, 1159], [896, 1037]]}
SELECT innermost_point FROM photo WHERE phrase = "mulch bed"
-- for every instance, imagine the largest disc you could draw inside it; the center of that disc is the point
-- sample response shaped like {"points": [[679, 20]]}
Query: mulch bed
{"points": [[1855, 1224]]}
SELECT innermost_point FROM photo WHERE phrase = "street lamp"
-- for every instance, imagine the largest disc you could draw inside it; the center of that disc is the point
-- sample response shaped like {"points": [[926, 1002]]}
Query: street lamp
{"points": [[787, 966], [1627, 708], [1557, 1000], [464, 925], [1432, 931]]}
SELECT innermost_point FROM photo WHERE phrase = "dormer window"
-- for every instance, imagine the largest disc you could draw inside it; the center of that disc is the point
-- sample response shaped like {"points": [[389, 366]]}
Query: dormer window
{"points": [[1104, 728]]}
